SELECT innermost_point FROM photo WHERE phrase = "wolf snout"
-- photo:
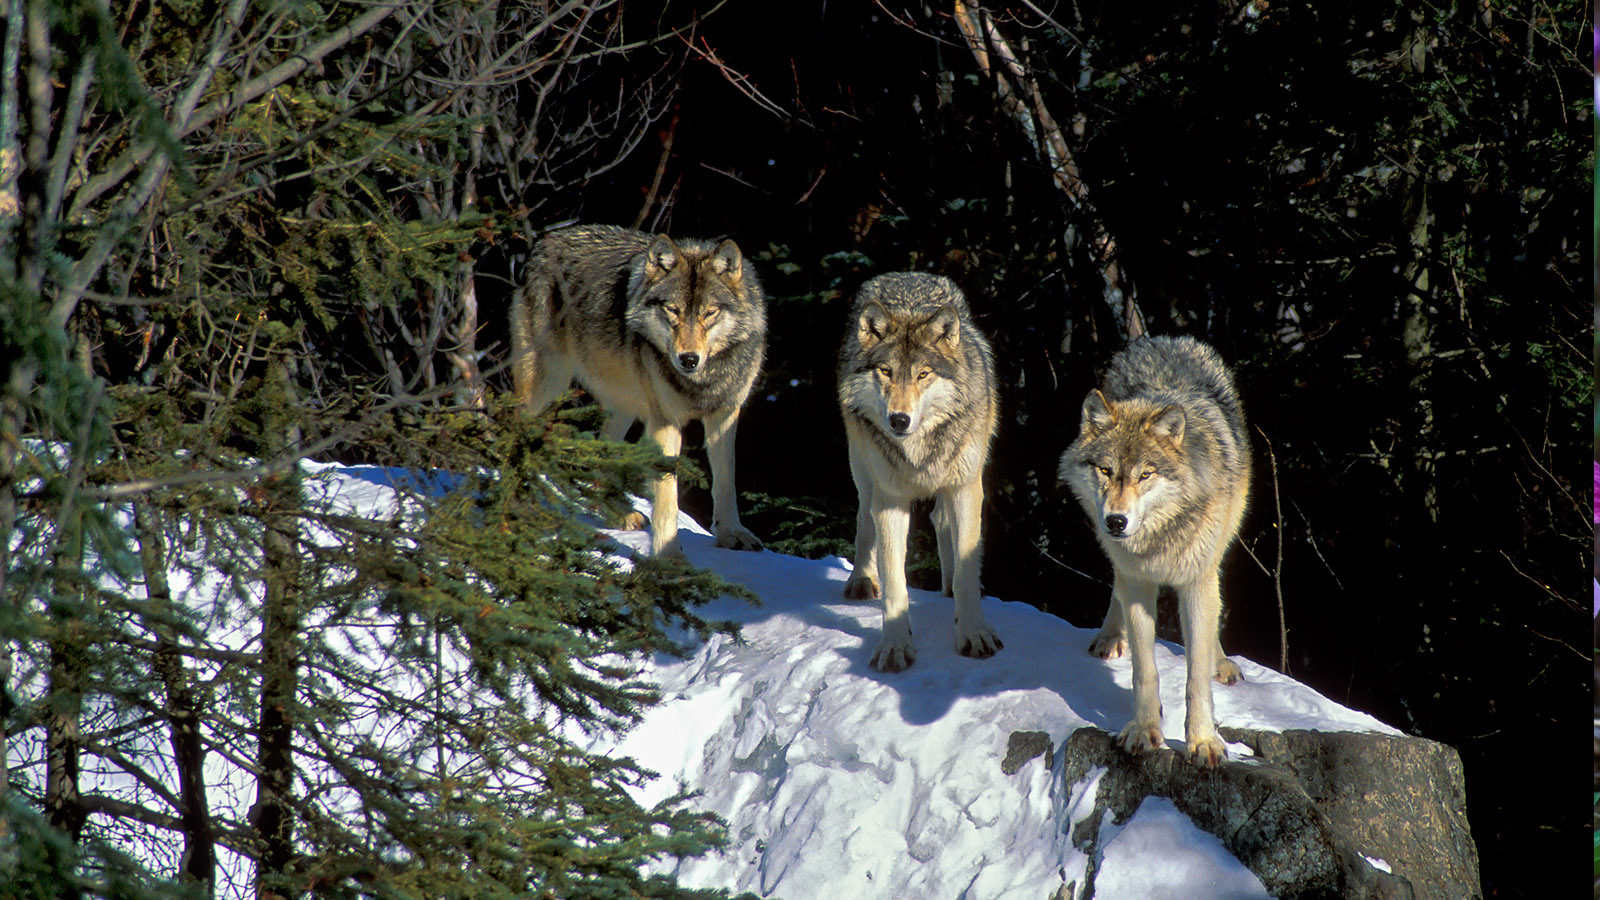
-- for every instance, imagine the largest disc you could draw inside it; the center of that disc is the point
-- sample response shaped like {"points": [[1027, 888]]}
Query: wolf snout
{"points": [[899, 423], [1117, 525], [688, 362]]}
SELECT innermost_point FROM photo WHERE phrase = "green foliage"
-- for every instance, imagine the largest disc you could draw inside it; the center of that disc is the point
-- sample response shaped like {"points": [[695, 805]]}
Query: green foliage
{"points": [[807, 527], [301, 287], [38, 862], [513, 623]]}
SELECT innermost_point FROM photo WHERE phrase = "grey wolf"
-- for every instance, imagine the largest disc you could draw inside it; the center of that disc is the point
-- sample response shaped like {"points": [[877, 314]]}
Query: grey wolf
{"points": [[659, 330], [1162, 466], [918, 393]]}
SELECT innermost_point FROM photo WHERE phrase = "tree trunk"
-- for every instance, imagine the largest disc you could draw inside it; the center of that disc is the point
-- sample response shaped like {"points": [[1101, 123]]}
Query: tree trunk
{"points": [[1020, 96], [273, 813], [199, 861], [64, 707]]}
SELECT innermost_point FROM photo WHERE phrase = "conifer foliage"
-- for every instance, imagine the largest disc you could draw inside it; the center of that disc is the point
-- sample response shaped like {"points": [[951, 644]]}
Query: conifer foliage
{"points": [[240, 236]]}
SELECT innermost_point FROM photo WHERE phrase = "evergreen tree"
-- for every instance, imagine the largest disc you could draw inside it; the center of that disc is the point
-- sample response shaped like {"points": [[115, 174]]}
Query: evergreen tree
{"points": [[234, 248]]}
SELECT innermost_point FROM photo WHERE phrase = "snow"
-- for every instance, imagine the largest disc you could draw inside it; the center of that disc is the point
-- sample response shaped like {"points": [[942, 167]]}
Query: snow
{"points": [[839, 781]]}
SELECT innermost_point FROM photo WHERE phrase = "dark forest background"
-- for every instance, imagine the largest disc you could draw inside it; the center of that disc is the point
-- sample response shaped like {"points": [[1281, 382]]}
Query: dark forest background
{"points": [[1375, 210]]}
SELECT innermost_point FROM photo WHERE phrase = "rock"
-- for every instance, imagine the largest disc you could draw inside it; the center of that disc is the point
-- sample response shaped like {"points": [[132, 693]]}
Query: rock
{"points": [[1309, 815], [1023, 746]]}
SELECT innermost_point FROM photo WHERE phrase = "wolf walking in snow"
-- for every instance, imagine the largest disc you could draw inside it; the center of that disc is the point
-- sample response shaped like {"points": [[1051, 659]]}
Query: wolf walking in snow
{"points": [[918, 393], [1162, 466], [659, 330]]}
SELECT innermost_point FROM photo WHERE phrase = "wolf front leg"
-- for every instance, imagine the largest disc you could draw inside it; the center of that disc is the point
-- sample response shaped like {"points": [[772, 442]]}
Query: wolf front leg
{"points": [[1138, 600], [891, 517], [863, 583], [963, 515], [1199, 607], [725, 525], [664, 505]]}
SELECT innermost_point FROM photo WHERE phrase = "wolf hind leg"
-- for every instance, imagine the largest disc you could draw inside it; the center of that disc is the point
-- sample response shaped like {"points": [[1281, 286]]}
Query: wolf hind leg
{"points": [[539, 370], [616, 427], [1199, 608], [1112, 641], [725, 525], [944, 531], [863, 583], [963, 512], [1227, 670], [1138, 601], [616, 430]]}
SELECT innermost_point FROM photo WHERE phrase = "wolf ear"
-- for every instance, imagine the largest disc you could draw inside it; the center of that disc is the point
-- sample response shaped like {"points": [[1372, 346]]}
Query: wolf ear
{"points": [[873, 326], [660, 257], [1098, 414], [945, 327], [728, 262], [1169, 424]]}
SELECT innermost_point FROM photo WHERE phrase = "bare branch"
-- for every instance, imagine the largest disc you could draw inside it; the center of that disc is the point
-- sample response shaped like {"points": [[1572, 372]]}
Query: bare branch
{"points": [[185, 122], [1012, 77]]}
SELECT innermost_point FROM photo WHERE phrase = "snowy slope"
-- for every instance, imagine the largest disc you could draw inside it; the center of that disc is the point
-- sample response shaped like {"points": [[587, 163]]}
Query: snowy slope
{"points": [[841, 782]]}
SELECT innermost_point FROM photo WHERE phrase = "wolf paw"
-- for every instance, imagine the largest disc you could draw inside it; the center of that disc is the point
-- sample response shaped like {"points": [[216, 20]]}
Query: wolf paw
{"points": [[1228, 671], [1207, 752], [1139, 737], [893, 655], [672, 550], [1109, 644], [861, 587], [979, 643], [737, 537]]}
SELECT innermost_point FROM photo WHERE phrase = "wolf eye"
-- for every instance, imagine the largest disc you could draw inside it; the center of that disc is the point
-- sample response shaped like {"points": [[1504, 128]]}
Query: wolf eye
{"points": [[885, 371], [924, 374], [1103, 470], [711, 313], [674, 311], [1145, 475]]}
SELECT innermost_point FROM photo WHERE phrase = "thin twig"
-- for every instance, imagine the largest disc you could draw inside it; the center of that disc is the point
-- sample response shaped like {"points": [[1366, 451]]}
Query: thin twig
{"points": [[1277, 571], [661, 170]]}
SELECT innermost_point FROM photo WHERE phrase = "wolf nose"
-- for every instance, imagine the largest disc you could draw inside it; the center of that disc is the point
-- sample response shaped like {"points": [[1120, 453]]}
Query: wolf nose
{"points": [[688, 362], [1116, 524], [900, 422]]}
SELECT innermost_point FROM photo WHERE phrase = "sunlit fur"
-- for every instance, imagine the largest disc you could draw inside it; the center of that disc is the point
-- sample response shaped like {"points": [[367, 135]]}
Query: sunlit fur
{"points": [[1162, 466], [659, 330], [918, 394]]}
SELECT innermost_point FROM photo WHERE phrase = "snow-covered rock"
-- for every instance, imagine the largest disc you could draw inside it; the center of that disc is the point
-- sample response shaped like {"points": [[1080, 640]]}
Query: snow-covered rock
{"points": [[839, 781]]}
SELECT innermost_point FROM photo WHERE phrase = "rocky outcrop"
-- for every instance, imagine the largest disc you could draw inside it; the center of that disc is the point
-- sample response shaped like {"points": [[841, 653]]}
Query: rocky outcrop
{"points": [[1337, 815]]}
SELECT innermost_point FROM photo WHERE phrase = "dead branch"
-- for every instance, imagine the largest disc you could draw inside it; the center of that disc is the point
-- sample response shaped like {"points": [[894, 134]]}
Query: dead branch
{"points": [[1013, 79]]}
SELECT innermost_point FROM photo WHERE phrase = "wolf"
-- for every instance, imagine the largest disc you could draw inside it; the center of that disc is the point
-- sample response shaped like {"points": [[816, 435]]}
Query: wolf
{"points": [[1162, 466], [919, 397], [659, 330]]}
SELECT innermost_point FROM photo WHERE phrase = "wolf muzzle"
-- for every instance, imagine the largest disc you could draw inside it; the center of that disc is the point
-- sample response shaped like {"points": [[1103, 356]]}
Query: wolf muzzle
{"points": [[1116, 526], [899, 423], [688, 362]]}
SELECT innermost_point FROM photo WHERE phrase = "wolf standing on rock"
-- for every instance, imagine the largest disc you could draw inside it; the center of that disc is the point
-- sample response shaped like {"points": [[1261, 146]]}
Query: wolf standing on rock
{"points": [[1162, 466], [918, 392], [657, 330]]}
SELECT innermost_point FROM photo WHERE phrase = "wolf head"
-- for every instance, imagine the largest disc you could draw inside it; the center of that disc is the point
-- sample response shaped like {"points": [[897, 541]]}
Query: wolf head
{"points": [[906, 367], [1128, 467], [693, 300]]}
